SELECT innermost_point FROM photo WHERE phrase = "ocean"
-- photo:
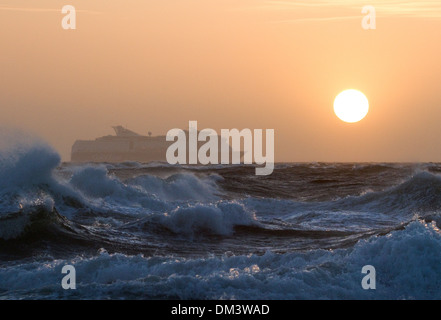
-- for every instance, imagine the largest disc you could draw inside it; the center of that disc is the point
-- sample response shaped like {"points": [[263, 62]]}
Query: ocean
{"points": [[157, 231]]}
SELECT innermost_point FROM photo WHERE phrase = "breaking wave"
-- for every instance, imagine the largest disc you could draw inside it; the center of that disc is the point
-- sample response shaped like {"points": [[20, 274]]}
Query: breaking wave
{"points": [[407, 265], [172, 232]]}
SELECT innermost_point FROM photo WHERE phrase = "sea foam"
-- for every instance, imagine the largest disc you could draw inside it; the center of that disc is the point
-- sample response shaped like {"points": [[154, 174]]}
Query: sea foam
{"points": [[407, 266]]}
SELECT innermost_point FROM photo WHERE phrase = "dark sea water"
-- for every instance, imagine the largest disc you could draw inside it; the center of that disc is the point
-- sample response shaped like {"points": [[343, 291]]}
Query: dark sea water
{"points": [[155, 231]]}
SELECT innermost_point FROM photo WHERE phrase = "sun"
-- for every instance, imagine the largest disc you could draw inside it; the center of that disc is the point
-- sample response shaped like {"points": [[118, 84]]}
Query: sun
{"points": [[351, 106]]}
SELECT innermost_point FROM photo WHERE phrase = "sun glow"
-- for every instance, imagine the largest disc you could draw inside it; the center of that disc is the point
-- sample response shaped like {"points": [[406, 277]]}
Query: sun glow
{"points": [[351, 106]]}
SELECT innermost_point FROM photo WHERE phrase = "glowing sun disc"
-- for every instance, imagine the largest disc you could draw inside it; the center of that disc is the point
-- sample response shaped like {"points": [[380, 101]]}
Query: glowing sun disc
{"points": [[351, 106]]}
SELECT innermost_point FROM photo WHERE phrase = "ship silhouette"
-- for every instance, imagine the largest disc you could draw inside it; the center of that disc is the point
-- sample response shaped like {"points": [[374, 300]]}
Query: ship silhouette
{"points": [[126, 145]]}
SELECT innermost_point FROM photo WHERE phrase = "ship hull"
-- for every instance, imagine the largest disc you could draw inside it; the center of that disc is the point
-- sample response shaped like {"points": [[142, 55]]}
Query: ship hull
{"points": [[117, 156]]}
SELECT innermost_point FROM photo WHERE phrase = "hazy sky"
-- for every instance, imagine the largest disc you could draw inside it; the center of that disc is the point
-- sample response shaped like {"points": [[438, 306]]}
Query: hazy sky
{"points": [[153, 65]]}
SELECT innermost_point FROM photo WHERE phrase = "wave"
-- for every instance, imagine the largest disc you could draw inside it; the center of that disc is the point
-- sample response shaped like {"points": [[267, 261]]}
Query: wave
{"points": [[406, 262], [31, 172], [25, 166], [182, 186], [28, 231], [32, 169], [419, 194], [220, 218], [31, 185], [143, 194], [191, 202], [106, 193]]}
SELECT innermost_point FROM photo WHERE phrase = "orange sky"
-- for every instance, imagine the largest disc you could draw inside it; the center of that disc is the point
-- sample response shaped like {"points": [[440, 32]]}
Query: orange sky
{"points": [[153, 65]]}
